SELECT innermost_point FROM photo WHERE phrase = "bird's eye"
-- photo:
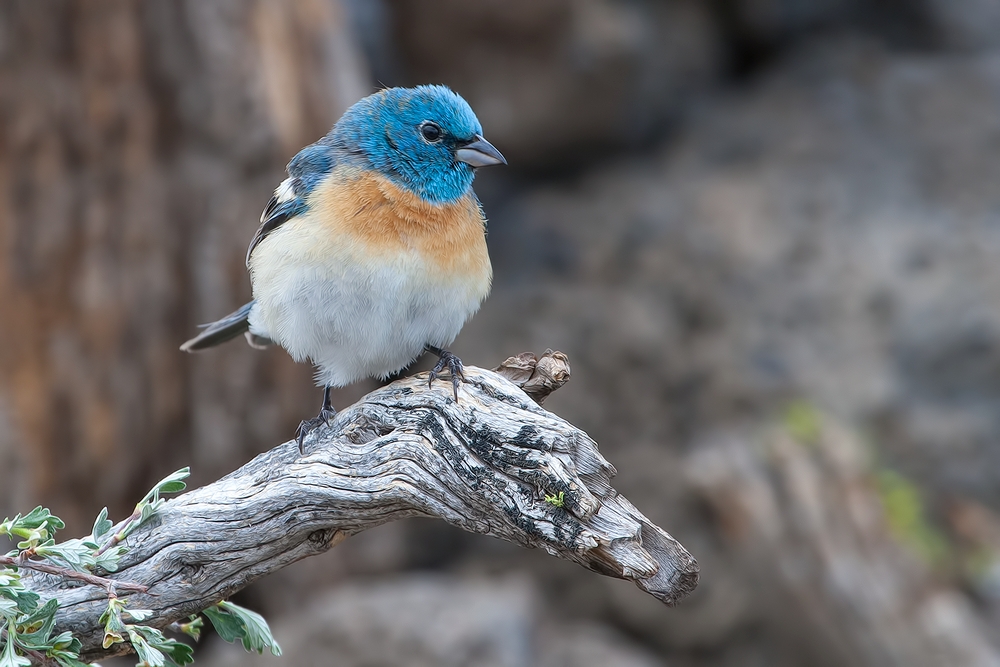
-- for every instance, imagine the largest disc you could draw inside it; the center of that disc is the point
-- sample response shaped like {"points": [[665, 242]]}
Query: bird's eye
{"points": [[430, 131]]}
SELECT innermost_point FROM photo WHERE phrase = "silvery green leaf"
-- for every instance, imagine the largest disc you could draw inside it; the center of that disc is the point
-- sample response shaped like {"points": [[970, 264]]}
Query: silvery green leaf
{"points": [[172, 483], [172, 651], [63, 640], [148, 509], [239, 622], [73, 554], [108, 561], [9, 657], [102, 526], [147, 654], [226, 625], [41, 516], [8, 608], [139, 614], [67, 658], [179, 652]]}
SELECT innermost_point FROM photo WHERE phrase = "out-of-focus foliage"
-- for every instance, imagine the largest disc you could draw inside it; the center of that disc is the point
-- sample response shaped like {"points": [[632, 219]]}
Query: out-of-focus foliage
{"points": [[904, 509]]}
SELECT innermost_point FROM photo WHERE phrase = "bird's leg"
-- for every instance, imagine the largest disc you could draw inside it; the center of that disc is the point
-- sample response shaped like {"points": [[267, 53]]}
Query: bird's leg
{"points": [[326, 413], [447, 360]]}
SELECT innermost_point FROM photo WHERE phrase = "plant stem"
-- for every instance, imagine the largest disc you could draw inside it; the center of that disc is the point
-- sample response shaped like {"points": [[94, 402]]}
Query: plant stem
{"points": [[117, 533], [92, 579]]}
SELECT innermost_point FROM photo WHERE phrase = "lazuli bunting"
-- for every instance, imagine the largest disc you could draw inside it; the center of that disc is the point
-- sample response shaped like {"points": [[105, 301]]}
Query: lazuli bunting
{"points": [[373, 250]]}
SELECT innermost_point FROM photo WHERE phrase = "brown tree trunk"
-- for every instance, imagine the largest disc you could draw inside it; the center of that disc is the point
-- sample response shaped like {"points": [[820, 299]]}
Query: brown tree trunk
{"points": [[138, 143]]}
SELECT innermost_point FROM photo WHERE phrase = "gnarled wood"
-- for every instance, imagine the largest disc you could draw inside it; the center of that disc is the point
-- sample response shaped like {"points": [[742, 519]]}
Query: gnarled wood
{"points": [[493, 463]]}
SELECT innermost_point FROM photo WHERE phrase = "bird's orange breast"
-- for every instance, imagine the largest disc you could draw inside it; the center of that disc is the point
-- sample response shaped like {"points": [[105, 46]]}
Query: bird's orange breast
{"points": [[382, 219]]}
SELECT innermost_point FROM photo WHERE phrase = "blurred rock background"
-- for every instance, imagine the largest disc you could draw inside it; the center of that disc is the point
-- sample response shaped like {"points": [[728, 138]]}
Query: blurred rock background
{"points": [[766, 233]]}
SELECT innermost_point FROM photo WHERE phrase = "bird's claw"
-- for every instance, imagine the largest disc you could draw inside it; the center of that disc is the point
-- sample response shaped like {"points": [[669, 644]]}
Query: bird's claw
{"points": [[454, 365], [307, 426]]}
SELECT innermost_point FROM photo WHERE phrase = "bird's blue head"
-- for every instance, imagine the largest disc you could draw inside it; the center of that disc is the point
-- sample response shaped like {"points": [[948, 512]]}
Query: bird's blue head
{"points": [[425, 139]]}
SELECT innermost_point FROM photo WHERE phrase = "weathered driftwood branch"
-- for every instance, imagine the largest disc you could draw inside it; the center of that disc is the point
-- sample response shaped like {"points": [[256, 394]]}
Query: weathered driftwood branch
{"points": [[494, 463]]}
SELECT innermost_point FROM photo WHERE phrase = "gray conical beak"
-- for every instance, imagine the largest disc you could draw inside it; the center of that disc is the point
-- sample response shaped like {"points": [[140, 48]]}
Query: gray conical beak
{"points": [[479, 153]]}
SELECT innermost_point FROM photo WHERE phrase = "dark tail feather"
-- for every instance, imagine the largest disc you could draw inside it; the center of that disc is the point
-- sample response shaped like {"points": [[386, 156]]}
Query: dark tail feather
{"points": [[216, 333]]}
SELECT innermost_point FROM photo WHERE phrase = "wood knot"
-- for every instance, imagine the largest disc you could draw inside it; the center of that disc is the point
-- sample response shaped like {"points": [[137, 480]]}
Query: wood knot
{"points": [[191, 572], [536, 376], [326, 538], [365, 430]]}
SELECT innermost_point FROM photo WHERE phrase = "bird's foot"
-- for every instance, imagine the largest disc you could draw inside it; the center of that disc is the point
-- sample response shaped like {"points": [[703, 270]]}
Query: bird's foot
{"points": [[326, 413], [454, 365], [307, 426]]}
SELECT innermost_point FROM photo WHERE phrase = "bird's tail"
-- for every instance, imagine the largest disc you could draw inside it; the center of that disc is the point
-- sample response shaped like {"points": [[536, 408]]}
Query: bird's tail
{"points": [[216, 333]]}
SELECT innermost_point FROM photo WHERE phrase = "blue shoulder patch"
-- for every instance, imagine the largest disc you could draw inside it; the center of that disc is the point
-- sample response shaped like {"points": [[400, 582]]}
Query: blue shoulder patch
{"points": [[309, 166]]}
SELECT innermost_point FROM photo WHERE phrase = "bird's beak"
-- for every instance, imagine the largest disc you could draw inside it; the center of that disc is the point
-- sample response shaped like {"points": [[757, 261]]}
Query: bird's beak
{"points": [[479, 153]]}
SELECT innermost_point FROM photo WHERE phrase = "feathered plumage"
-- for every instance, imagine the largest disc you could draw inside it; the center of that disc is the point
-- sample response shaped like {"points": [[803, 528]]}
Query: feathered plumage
{"points": [[373, 249]]}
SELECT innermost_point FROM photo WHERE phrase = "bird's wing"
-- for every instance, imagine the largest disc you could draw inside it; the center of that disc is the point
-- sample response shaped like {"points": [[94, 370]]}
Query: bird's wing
{"points": [[306, 169], [284, 205]]}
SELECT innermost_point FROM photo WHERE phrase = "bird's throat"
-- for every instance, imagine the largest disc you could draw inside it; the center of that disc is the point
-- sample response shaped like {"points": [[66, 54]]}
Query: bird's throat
{"points": [[384, 218]]}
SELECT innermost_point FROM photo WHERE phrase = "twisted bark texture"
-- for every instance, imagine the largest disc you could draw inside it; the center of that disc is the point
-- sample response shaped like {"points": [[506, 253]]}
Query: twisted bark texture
{"points": [[493, 463]]}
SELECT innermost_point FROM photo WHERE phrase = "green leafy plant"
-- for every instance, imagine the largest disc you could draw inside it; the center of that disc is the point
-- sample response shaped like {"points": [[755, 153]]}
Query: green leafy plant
{"points": [[907, 517], [233, 622], [153, 647], [27, 625], [803, 422], [556, 500]]}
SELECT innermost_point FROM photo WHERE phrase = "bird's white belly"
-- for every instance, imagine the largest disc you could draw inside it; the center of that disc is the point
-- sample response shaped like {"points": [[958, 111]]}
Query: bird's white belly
{"points": [[353, 315]]}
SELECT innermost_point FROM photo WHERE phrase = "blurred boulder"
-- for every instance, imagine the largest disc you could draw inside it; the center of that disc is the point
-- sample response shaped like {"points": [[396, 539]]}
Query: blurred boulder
{"points": [[834, 550], [927, 25], [435, 621], [966, 24], [757, 30], [830, 232], [556, 80], [763, 24]]}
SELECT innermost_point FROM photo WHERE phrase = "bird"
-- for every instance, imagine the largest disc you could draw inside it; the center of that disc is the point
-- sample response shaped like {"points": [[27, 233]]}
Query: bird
{"points": [[373, 250]]}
